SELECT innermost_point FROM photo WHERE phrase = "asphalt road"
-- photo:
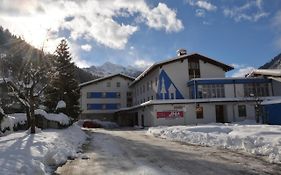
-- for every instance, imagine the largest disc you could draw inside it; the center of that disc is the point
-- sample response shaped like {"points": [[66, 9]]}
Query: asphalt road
{"points": [[133, 152]]}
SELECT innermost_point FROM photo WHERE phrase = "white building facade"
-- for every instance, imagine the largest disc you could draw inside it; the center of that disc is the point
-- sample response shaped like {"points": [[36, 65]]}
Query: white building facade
{"points": [[190, 89], [102, 97]]}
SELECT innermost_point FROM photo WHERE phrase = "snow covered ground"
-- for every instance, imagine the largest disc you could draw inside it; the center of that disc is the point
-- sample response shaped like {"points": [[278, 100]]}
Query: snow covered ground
{"points": [[264, 140], [22, 153]]}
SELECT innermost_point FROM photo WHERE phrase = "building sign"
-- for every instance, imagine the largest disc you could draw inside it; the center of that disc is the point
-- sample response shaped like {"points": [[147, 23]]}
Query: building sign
{"points": [[169, 114]]}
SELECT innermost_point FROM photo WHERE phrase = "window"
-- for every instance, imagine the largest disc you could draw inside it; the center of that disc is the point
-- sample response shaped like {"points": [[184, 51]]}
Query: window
{"points": [[193, 68], [199, 112], [148, 99], [103, 106], [118, 105], [242, 110], [152, 97], [151, 84], [210, 91], [108, 84], [88, 94], [172, 96], [156, 82], [118, 84], [256, 89], [129, 94], [118, 95], [103, 94]]}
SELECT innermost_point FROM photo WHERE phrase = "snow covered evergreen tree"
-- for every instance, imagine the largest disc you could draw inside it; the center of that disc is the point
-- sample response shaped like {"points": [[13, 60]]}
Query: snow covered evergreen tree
{"points": [[63, 84]]}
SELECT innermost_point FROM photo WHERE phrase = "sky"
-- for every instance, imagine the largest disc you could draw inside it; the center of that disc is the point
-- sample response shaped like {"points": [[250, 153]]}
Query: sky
{"points": [[242, 33]]}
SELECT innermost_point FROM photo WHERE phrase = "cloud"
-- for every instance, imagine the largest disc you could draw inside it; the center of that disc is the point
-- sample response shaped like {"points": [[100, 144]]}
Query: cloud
{"points": [[202, 4], [200, 13], [142, 64], [250, 11], [163, 17], [43, 22], [87, 19], [75, 53], [206, 5], [241, 70], [86, 47]]}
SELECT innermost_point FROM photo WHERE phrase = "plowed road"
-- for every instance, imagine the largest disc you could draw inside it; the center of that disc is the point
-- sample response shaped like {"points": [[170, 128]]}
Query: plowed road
{"points": [[133, 152]]}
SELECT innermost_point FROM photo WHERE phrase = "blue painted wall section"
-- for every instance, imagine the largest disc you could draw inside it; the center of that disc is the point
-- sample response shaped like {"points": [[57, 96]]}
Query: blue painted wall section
{"points": [[94, 95], [99, 95], [111, 95], [272, 114], [166, 88], [94, 106]]}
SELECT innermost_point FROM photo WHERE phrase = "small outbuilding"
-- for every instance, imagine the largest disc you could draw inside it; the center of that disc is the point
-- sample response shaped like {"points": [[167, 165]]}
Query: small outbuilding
{"points": [[272, 111]]}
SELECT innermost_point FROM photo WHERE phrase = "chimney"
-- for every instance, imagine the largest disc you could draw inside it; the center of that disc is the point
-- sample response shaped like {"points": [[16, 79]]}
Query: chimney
{"points": [[181, 52]]}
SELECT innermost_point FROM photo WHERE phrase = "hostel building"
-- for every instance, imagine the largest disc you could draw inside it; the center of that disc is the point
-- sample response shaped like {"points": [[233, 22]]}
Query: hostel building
{"points": [[187, 89]]}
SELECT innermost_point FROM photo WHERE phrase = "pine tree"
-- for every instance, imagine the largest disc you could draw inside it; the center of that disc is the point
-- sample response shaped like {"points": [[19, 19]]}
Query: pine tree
{"points": [[63, 84]]}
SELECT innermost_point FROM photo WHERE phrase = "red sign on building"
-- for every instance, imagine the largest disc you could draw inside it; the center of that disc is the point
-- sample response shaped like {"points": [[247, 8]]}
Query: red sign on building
{"points": [[170, 114]]}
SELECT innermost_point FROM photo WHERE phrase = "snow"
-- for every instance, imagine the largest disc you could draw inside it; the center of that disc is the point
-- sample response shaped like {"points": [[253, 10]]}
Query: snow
{"points": [[61, 118], [7, 122], [270, 72], [269, 102], [2, 111], [22, 153], [61, 104], [12, 120], [257, 139], [18, 118]]}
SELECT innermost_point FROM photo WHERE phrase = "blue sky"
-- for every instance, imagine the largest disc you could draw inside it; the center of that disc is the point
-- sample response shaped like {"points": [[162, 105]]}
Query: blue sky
{"points": [[243, 33]]}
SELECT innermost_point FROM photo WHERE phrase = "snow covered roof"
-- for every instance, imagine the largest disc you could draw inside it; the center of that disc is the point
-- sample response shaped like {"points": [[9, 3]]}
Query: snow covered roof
{"points": [[272, 101], [266, 72], [104, 78], [275, 78], [182, 57]]}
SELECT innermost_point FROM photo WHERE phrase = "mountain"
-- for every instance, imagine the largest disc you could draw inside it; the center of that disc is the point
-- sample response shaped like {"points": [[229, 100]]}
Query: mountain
{"points": [[274, 63], [14, 45], [109, 68]]}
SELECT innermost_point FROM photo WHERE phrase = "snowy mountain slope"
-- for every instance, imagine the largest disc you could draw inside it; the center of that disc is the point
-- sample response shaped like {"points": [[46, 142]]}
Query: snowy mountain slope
{"points": [[274, 63], [109, 68]]}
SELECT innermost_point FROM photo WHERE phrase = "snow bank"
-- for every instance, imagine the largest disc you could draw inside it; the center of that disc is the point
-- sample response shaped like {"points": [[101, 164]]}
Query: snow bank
{"points": [[18, 118], [2, 111], [22, 153], [7, 123], [264, 140], [61, 118], [61, 104]]}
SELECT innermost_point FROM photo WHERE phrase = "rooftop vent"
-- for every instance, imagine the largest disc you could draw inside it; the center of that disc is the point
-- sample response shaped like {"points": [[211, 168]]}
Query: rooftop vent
{"points": [[181, 52]]}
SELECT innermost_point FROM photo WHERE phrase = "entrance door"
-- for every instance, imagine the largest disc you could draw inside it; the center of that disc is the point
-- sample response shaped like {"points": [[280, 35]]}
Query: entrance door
{"points": [[136, 122], [219, 114], [142, 120]]}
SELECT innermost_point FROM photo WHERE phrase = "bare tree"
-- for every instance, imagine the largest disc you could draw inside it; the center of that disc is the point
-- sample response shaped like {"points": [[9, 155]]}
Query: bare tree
{"points": [[28, 81]]}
